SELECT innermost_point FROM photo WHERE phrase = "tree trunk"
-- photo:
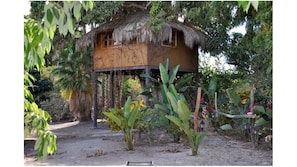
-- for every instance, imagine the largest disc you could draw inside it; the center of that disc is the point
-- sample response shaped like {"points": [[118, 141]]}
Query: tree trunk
{"points": [[107, 96], [95, 100], [81, 105]]}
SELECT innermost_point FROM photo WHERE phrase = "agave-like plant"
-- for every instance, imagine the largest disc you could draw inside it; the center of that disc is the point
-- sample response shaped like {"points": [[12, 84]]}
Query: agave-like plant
{"points": [[126, 121], [167, 80], [183, 118]]}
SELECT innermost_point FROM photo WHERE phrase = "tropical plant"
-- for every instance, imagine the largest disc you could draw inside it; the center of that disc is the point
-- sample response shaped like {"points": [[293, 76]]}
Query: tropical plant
{"points": [[38, 38], [182, 118], [125, 119], [36, 121], [40, 86], [238, 105], [73, 75], [263, 122], [163, 107]]}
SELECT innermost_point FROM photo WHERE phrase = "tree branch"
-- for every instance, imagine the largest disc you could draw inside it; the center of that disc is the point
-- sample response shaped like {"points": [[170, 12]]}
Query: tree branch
{"points": [[131, 4]]}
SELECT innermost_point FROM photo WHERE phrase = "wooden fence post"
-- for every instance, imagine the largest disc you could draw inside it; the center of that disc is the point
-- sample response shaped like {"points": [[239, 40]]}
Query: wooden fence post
{"points": [[196, 113], [253, 139]]}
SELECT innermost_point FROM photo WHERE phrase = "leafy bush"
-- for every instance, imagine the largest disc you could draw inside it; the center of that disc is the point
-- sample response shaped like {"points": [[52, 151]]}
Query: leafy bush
{"points": [[183, 118], [125, 119]]}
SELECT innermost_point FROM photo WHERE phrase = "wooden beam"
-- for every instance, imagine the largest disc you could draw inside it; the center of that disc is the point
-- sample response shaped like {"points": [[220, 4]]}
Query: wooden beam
{"points": [[230, 115], [147, 82], [95, 100], [236, 116], [196, 113], [132, 4]]}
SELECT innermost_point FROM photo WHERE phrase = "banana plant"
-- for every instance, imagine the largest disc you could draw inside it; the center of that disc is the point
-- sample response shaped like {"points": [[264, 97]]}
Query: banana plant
{"points": [[182, 118], [167, 78], [126, 121], [236, 107]]}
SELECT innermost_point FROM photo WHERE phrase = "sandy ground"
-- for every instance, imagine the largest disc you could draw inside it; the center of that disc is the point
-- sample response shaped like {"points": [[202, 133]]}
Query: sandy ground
{"points": [[79, 144]]}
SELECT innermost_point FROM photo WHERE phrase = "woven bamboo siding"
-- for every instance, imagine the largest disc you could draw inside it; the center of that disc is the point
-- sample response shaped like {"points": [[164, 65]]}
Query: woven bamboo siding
{"points": [[129, 55], [182, 55]]}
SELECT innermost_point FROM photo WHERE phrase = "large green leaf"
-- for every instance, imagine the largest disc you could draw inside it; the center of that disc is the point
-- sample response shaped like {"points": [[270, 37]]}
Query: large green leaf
{"points": [[260, 109], [51, 31], [175, 120], [149, 76], [76, 11], [56, 13], [38, 143], [245, 5], [133, 116], [172, 74], [163, 73], [70, 25], [212, 86], [166, 64], [49, 16], [226, 127], [173, 90], [181, 82], [173, 101], [261, 121], [183, 111], [127, 107], [113, 117], [164, 90], [234, 97], [161, 107], [269, 113]]}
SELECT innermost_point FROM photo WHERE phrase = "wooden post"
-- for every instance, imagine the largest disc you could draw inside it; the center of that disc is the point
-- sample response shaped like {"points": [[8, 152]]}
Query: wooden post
{"points": [[112, 87], [196, 113], [216, 103], [95, 100], [253, 139], [146, 82]]}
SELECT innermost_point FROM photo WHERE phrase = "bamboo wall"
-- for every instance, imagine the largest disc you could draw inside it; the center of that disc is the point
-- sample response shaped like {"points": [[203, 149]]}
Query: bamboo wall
{"points": [[142, 54], [181, 54], [120, 56]]}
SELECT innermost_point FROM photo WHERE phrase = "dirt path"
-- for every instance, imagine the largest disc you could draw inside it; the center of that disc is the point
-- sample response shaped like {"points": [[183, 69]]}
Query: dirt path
{"points": [[80, 144]]}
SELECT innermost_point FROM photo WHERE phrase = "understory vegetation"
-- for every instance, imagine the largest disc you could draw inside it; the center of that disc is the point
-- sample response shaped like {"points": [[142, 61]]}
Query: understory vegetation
{"points": [[54, 65]]}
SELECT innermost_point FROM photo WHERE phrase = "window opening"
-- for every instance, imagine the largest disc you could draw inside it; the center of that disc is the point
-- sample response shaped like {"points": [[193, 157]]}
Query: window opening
{"points": [[173, 42], [107, 40]]}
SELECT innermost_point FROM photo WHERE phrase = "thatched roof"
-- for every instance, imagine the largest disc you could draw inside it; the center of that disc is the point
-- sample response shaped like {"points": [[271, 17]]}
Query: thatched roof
{"points": [[136, 27]]}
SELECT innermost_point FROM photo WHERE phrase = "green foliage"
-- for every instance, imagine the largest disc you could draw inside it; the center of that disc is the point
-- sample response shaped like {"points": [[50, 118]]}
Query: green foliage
{"points": [[36, 11], [157, 16], [125, 119], [115, 124], [234, 97], [182, 120], [131, 87], [249, 52], [164, 84], [184, 82], [264, 116], [102, 11], [246, 5], [226, 127], [73, 75], [38, 36], [36, 121], [74, 70]]}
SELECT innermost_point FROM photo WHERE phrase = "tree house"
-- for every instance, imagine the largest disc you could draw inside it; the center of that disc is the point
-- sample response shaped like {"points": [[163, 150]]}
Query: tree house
{"points": [[129, 45]]}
